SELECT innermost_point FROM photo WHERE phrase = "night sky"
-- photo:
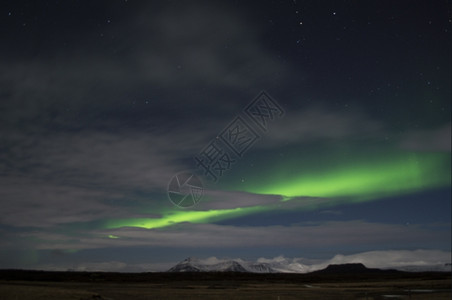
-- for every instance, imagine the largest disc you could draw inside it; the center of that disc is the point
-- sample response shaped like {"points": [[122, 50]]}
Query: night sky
{"points": [[309, 130]]}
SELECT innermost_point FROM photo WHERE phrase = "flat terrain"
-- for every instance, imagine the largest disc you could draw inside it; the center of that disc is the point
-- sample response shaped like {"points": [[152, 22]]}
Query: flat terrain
{"points": [[85, 286]]}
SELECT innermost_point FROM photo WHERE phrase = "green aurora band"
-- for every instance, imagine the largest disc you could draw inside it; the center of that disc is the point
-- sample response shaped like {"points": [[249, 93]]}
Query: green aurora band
{"points": [[360, 181], [175, 217], [401, 174]]}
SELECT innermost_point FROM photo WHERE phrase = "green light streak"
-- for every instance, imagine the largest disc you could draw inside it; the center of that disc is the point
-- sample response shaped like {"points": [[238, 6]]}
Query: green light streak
{"points": [[389, 177], [183, 216], [343, 181]]}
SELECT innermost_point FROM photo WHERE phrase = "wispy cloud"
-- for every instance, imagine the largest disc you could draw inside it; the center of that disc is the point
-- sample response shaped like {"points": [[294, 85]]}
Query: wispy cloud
{"points": [[303, 235], [319, 123], [76, 175], [437, 139]]}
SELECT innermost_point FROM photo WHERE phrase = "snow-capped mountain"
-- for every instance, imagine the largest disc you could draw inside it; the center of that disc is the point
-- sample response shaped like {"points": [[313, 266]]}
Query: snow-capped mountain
{"points": [[194, 265], [260, 268], [284, 265], [278, 265], [281, 265], [287, 265]]}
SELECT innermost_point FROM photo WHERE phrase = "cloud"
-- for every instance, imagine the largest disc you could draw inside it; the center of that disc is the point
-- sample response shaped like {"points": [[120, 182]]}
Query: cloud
{"points": [[37, 203], [218, 199], [303, 235], [207, 46], [77, 135], [318, 123], [437, 139], [82, 176]]}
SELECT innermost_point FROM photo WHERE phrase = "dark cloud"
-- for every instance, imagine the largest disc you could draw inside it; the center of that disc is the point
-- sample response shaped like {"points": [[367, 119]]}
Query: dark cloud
{"points": [[201, 46]]}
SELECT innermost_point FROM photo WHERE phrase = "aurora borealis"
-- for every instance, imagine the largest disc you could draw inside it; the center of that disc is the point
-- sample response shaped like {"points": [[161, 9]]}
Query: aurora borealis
{"points": [[402, 173], [179, 217], [102, 103]]}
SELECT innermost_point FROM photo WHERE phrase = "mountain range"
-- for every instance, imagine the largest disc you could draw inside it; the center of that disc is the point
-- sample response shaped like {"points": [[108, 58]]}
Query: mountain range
{"points": [[195, 265], [283, 265]]}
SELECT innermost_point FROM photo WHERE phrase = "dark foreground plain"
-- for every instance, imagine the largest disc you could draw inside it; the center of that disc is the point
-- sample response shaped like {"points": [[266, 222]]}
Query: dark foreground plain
{"points": [[15, 284]]}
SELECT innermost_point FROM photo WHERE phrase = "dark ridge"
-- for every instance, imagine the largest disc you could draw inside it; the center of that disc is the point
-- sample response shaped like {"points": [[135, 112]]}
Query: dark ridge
{"points": [[353, 268]]}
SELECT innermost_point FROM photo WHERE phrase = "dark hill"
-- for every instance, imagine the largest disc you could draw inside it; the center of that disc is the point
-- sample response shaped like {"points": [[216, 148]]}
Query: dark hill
{"points": [[355, 268]]}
